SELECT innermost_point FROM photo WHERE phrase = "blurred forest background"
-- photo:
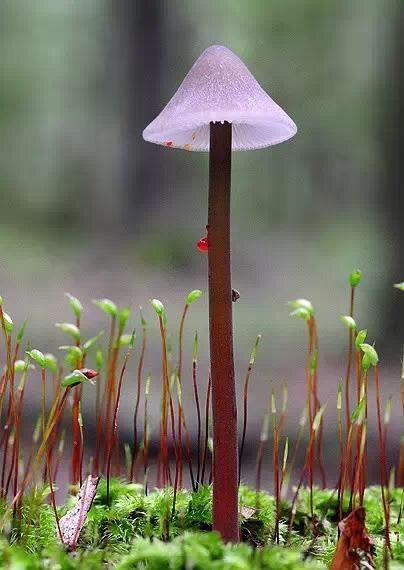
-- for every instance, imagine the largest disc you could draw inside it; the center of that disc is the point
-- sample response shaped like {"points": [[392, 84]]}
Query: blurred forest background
{"points": [[88, 207]]}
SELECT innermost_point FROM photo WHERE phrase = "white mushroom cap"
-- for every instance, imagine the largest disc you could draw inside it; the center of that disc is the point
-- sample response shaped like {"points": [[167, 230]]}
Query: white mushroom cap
{"points": [[219, 88]]}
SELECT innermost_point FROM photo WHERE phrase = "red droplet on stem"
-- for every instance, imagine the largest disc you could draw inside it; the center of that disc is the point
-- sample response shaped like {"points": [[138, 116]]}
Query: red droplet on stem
{"points": [[203, 244]]}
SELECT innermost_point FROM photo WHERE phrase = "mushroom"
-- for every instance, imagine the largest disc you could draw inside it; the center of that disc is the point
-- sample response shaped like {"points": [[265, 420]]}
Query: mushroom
{"points": [[220, 107]]}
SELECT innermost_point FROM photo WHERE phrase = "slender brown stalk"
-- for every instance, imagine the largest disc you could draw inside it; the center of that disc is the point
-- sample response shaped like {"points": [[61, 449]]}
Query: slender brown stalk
{"points": [[245, 403], [382, 463], [114, 426], [206, 436], [5, 444], [176, 456], [164, 457], [302, 423], [180, 444], [363, 474], [197, 406], [52, 495], [311, 401], [16, 450], [138, 392], [349, 360], [98, 417], [180, 339], [313, 433], [109, 389], [298, 487], [346, 468], [264, 436], [9, 363], [358, 369], [284, 465], [53, 419], [279, 434], [81, 457], [11, 467], [275, 465], [359, 467], [100, 428], [189, 459], [317, 405], [181, 414], [59, 454], [340, 445], [76, 451], [11, 412], [110, 400], [146, 433], [225, 452], [46, 450], [311, 405], [3, 384]]}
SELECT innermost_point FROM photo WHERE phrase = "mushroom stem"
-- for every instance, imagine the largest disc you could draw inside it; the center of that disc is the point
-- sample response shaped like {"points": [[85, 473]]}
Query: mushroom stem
{"points": [[225, 447]]}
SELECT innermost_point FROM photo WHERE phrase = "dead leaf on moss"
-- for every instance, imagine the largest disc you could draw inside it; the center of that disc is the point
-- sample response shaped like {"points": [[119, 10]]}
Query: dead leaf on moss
{"points": [[247, 512], [71, 524], [354, 548]]}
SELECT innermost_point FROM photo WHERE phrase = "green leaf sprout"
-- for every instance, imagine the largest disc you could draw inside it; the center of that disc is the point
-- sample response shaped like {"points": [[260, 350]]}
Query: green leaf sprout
{"points": [[75, 304], [70, 329], [123, 316], [355, 278], [158, 307], [107, 306], [74, 379], [193, 296], [302, 304], [349, 322], [370, 356], [8, 323], [360, 338], [37, 356], [302, 313], [21, 332]]}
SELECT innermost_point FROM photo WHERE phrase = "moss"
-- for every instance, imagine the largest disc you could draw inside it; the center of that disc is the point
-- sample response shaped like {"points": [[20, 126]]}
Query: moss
{"points": [[138, 531], [199, 512], [207, 552], [35, 529], [257, 528]]}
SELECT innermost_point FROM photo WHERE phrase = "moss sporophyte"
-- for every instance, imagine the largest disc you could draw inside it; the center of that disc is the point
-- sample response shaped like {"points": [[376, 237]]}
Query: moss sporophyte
{"points": [[131, 508]]}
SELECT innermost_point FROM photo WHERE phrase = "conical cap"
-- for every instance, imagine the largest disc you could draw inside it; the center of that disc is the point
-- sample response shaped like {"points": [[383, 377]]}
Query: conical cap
{"points": [[219, 88]]}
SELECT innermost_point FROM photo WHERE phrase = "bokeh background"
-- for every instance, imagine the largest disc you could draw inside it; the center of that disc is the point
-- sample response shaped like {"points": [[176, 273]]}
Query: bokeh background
{"points": [[88, 207]]}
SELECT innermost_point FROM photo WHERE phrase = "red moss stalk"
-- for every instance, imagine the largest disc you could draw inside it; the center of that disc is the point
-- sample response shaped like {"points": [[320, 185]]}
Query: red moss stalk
{"points": [[197, 406], [138, 392], [349, 360], [114, 426], [146, 434], [245, 402], [206, 438], [383, 463]]}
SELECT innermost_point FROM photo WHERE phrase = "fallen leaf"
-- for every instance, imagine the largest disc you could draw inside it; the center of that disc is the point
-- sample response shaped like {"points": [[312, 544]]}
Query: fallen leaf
{"points": [[71, 524], [354, 548], [247, 512]]}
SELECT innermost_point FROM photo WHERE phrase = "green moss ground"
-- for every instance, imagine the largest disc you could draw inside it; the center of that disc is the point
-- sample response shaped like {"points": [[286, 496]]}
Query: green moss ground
{"points": [[133, 532]]}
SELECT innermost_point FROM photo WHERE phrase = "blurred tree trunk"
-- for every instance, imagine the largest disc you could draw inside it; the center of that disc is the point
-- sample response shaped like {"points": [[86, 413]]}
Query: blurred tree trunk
{"points": [[392, 181], [135, 71]]}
